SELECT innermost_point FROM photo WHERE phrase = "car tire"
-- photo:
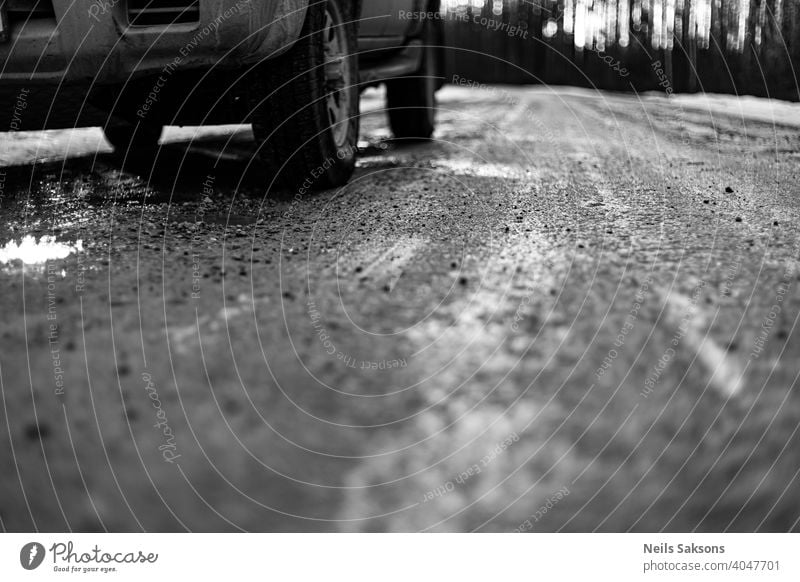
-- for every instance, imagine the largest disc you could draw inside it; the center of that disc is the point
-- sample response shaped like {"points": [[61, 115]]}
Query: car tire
{"points": [[132, 139], [304, 104], [411, 99]]}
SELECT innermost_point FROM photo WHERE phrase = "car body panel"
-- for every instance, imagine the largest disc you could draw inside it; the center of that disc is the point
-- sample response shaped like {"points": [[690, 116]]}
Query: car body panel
{"points": [[87, 43]]}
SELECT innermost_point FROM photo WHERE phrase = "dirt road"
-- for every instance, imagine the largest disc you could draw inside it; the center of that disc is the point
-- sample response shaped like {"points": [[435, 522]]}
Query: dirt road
{"points": [[572, 311]]}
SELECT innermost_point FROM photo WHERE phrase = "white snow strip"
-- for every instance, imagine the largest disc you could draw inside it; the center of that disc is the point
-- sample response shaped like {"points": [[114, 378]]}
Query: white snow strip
{"points": [[746, 108], [725, 373], [25, 147]]}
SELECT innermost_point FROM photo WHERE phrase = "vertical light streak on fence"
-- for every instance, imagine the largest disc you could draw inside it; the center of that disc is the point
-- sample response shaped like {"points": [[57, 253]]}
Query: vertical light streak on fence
{"points": [[580, 23], [611, 22], [636, 15], [668, 28], [569, 16], [762, 12], [657, 23], [624, 23]]}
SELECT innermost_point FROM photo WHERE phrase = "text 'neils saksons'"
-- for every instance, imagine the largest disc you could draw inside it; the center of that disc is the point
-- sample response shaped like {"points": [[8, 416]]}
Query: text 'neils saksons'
{"points": [[665, 548]]}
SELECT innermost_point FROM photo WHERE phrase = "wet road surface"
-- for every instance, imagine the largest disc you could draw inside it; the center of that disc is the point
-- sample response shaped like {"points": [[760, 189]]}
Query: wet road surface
{"points": [[572, 311]]}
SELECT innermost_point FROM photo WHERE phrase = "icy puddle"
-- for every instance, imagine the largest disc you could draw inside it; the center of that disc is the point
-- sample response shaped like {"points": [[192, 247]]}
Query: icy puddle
{"points": [[33, 251]]}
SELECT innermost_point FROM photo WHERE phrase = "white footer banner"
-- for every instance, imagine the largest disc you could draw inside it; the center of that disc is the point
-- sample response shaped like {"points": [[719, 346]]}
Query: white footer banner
{"points": [[400, 557]]}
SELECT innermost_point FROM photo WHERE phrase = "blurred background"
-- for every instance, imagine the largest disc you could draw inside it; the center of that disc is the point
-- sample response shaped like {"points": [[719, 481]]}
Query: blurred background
{"points": [[717, 46]]}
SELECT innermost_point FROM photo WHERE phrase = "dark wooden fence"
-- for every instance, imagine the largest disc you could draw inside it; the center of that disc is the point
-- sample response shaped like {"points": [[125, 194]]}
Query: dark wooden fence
{"points": [[700, 45]]}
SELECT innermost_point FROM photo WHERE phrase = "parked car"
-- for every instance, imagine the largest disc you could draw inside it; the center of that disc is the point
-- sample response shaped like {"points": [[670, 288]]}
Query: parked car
{"points": [[292, 68]]}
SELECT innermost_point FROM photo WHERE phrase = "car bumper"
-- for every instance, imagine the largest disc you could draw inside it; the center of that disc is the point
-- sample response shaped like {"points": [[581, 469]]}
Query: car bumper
{"points": [[90, 41]]}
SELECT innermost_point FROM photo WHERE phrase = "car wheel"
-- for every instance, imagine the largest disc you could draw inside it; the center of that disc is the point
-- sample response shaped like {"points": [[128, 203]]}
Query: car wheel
{"points": [[411, 100], [131, 139], [304, 104]]}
